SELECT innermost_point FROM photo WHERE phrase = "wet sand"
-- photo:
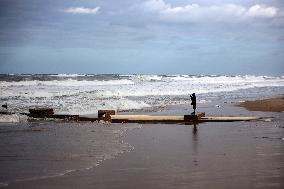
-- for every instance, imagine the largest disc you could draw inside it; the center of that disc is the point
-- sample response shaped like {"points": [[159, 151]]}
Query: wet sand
{"points": [[266, 105], [216, 155]]}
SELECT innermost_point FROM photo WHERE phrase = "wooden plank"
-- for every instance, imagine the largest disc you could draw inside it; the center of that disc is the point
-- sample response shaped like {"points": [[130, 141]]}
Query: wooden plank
{"points": [[177, 119], [229, 119], [144, 118], [152, 119], [147, 117]]}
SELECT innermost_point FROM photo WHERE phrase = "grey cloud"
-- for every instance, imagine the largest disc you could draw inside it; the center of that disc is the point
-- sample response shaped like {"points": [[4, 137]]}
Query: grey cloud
{"points": [[209, 13]]}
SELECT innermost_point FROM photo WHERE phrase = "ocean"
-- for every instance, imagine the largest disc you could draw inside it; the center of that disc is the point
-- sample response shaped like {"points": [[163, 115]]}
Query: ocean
{"points": [[85, 94]]}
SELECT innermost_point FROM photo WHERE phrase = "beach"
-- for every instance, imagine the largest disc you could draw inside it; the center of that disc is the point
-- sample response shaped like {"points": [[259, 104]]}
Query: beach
{"points": [[267, 105], [216, 155]]}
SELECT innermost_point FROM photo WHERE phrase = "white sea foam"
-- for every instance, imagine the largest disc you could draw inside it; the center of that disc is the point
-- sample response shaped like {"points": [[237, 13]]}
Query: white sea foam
{"points": [[146, 78], [67, 75], [91, 106], [68, 82], [13, 118]]}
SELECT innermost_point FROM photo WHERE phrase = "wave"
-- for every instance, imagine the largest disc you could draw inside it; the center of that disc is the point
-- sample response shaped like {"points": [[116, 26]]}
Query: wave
{"points": [[67, 75], [123, 92], [68, 82]]}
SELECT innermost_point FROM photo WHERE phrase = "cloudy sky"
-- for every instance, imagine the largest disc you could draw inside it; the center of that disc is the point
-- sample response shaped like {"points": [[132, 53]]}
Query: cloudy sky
{"points": [[142, 36]]}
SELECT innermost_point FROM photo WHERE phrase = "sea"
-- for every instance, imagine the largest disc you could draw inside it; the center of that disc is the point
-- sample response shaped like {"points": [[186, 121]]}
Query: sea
{"points": [[34, 150], [86, 94]]}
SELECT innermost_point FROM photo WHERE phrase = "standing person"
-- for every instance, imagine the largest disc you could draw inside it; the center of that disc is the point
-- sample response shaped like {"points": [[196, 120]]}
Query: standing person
{"points": [[193, 102]]}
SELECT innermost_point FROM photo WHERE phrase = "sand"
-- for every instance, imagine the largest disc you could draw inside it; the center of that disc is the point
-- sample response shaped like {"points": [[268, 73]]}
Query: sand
{"points": [[266, 105], [216, 155]]}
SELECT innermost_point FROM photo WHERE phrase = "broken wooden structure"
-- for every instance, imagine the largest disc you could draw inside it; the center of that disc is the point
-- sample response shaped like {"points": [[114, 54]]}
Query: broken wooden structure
{"points": [[110, 116]]}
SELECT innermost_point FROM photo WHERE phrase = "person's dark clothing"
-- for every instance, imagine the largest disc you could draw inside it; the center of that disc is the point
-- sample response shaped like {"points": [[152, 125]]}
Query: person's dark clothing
{"points": [[193, 101]]}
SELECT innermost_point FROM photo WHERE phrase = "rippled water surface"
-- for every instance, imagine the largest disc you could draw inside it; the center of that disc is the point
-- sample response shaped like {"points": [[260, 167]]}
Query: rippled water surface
{"points": [[40, 150]]}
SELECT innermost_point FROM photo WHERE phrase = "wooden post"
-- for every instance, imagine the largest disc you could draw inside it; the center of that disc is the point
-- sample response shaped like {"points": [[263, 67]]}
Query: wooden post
{"points": [[190, 118], [105, 115], [194, 118], [41, 112]]}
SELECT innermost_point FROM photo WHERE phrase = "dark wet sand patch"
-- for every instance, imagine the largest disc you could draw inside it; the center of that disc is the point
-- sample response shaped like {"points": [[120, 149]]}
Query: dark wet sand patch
{"points": [[265, 105]]}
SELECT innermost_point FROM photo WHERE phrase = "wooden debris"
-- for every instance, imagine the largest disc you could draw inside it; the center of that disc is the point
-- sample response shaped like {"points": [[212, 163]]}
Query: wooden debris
{"points": [[228, 119], [41, 111], [105, 115], [109, 116], [155, 118]]}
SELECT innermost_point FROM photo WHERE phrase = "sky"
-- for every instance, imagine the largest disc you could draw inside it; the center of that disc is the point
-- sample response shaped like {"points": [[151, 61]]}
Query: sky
{"points": [[142, 36]]}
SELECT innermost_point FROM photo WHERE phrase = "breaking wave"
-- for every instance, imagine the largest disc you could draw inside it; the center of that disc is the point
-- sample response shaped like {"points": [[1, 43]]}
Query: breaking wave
{"points": [[78, 93]]}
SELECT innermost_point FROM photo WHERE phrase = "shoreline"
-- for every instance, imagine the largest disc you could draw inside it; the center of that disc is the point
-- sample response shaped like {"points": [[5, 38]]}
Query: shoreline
{"points": [[265, 105]]}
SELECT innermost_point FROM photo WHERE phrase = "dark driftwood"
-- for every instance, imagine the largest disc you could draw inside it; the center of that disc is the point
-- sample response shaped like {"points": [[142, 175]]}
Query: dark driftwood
{"points": [[41, 111]]}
